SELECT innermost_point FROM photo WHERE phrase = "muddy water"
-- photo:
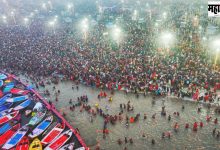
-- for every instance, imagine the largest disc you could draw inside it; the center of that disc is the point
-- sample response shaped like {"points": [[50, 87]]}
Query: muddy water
{"points": [[184, 139]]}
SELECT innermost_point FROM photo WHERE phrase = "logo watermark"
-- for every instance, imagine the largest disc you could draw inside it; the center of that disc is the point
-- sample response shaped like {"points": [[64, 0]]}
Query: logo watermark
{"points": [[213, 8]]}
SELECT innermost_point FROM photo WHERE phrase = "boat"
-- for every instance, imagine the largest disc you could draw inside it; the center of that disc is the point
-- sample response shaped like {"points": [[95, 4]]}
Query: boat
{"points": [[8, 81], [5, 106], [19, 91], [23, 105], [37, 118], [5, 112], [69, 146], [8, 87], [23, 144], [38, 106], [41, 127], [1, 83], [8, 117], [16, 138], [17, 99], [55, 132], [27, 112], [6, 127], [60, 140], [4, 98], [36, 145], [3, 76], [8, 134]]}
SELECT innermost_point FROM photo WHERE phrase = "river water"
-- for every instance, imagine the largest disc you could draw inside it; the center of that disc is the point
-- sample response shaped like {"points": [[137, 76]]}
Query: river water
{"points": [[153, 128]]}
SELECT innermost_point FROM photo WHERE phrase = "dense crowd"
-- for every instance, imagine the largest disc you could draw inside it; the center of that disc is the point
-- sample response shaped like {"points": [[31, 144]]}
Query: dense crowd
{"points": [[137, 63], [94, 63]]}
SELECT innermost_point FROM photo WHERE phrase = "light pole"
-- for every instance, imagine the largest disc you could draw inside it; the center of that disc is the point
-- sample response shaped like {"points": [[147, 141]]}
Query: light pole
{"points": [[44, 6], [13, 16], [164, 15], [135, 15], [117, 32], [4, 20], [117, 35], [216, 56], [26, 22], [85, 28], [216, 47], [70, 8], [52, 23], [166, 40]]}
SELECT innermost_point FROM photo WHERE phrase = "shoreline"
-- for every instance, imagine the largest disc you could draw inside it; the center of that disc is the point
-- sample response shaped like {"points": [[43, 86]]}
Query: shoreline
{"points": [[188, 99]]}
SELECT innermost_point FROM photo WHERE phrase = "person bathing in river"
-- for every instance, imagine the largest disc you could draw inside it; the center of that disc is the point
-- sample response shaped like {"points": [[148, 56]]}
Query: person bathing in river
{"points": [[215, 121], [163, 112], [201, 124], [154, 116], [169, 118], [176, 127], [208, 118], [110, 99], [195, 126], [187, 125]]}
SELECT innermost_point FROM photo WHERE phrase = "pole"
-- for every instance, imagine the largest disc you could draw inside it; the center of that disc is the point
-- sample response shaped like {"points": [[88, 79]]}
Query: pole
{"points": [[216, 58]]}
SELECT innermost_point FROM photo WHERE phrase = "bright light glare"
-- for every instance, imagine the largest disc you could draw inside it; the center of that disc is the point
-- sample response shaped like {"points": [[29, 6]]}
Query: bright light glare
{"points": [[105, 33], [167, 39], [31, 14], [216, 44], [4, 17], [116, 33], [51, 23], [12, 13], [26, 20], [69, 6], [44, 5], [135, 12], [85, 25], [100, 9], [55, 18], [117, 30], [164, 15]]}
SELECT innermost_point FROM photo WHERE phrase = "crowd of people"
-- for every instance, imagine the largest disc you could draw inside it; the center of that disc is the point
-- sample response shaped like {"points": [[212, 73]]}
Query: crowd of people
{"points": [[92, 62], [135, 64]]}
